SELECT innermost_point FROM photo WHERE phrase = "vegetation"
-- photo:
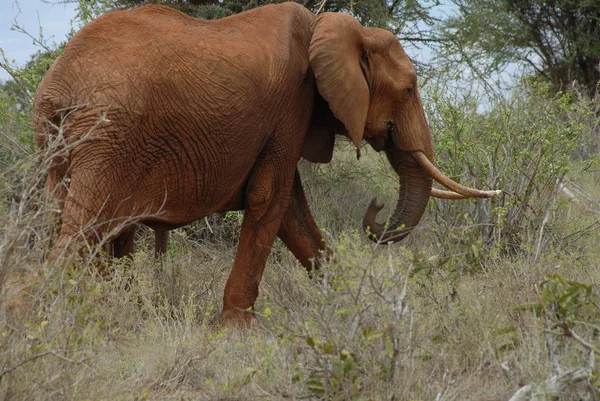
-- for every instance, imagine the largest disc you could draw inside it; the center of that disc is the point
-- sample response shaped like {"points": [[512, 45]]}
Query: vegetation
{"points": [[556, 39], [485, 300]]}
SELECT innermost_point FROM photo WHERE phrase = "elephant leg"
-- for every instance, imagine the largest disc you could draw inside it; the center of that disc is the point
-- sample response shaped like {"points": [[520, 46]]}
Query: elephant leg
{"points": [[74, 234], [89, 212], [267, 196], [298, 230], [161, 240], [124, 244], [75, 238]]}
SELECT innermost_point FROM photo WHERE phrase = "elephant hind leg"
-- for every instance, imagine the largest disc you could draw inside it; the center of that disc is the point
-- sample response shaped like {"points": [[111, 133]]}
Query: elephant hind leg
{"points": [[267, 197], [298, 230], [161, 240], [124, 244], [76, 241], [89, 214]]}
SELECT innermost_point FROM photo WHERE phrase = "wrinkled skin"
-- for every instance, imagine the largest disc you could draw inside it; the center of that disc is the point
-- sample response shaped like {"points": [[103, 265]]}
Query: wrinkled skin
{"points": [[178, 118]]}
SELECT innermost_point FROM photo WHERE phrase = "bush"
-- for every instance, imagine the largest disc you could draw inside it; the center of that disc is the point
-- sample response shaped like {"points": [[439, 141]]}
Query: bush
{"points": [[526, 145]]}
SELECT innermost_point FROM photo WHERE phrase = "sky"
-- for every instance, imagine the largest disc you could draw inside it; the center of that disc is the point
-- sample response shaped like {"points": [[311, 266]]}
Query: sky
{"points": [[55, 20]]}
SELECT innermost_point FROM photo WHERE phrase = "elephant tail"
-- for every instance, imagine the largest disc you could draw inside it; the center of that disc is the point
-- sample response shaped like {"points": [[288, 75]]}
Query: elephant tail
{"points": [[49, 115]]}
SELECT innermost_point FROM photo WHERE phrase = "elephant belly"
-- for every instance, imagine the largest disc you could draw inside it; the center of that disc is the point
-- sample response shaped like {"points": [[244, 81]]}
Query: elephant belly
{"points": [[194, 180], [237, 202]]}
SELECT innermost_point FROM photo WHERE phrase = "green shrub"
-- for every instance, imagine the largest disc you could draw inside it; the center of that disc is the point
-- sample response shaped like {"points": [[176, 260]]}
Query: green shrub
{"points": [[525, 145]]}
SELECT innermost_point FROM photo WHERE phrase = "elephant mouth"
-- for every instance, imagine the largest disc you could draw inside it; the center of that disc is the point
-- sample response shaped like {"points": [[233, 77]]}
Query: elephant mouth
{"points": [[381, 143]]}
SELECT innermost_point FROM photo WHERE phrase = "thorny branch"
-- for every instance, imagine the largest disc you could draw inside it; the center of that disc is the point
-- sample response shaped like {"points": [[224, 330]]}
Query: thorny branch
{"points": [[37, 356]]}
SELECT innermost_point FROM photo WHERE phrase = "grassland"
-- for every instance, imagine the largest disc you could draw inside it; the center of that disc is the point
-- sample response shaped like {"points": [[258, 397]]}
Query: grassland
{"points": [[483, 298]]}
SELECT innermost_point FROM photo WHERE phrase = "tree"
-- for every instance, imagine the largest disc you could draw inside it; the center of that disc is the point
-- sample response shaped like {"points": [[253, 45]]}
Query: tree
{"points": [[557, 39], [411, 20]]}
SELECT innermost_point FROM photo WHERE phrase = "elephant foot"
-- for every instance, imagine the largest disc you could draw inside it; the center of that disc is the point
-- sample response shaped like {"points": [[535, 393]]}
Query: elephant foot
{"points": [[237, 318]]}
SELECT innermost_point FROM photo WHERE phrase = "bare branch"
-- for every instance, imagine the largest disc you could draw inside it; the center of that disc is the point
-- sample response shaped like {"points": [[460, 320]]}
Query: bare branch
{"points": [[553, 386]]}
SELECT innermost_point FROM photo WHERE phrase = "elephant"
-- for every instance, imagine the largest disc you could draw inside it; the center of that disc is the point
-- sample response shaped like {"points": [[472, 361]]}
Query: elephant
{"points": [[168, 118]]}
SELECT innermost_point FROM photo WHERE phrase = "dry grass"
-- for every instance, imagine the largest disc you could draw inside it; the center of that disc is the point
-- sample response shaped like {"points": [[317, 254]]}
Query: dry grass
{"points": [[391, 322], [470, 306]]}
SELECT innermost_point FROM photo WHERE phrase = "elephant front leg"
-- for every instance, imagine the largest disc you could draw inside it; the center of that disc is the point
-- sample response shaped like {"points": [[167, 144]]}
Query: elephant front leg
{"points": [[267, 196], [299, 232]]}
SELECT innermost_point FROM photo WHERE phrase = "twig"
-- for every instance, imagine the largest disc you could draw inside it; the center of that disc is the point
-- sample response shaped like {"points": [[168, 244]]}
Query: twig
{"points": [[563, 188], [567, 331], [18, 365], [208, 225], [321, 5], [553, 386], [37, 356], [586, 228], [538, 245], [581, 192], [40, 42]]}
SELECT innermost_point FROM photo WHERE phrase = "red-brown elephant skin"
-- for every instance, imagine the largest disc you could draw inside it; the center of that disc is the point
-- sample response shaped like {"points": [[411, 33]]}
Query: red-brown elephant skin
{"points": [[168, 119]]}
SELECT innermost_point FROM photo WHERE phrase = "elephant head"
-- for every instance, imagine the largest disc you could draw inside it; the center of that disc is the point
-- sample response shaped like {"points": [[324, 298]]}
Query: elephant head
{"points": [[370, 86]]}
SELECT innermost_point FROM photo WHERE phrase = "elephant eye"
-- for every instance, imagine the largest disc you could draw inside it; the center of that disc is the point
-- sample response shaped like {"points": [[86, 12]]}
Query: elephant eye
{"points": [[364, 59], [409, 90], [391, 127]]}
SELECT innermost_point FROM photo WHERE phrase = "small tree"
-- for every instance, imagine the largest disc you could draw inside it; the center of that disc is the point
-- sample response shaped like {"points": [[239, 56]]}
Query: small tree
{"points": [[557, 39]]}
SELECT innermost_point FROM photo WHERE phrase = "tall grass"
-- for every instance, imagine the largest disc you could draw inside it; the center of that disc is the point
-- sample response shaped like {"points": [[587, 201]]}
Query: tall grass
{"points": [[484, 297]]}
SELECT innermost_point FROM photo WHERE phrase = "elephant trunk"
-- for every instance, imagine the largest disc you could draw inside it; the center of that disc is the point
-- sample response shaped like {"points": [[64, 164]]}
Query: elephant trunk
{"points": [[412, 158], [416, 173], [415, 188]]}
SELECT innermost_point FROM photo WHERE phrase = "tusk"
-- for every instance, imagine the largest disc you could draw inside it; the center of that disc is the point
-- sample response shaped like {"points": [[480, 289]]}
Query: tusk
{"points": [[441, 194], [458, 189]]}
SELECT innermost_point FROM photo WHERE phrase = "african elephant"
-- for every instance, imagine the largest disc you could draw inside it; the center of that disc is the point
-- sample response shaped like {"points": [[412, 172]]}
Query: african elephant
{"points": [[173, 118]]}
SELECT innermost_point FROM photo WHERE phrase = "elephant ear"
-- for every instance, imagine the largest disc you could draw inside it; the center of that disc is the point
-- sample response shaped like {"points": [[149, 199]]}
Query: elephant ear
{"points": [[318, 145], [335, 52]]}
